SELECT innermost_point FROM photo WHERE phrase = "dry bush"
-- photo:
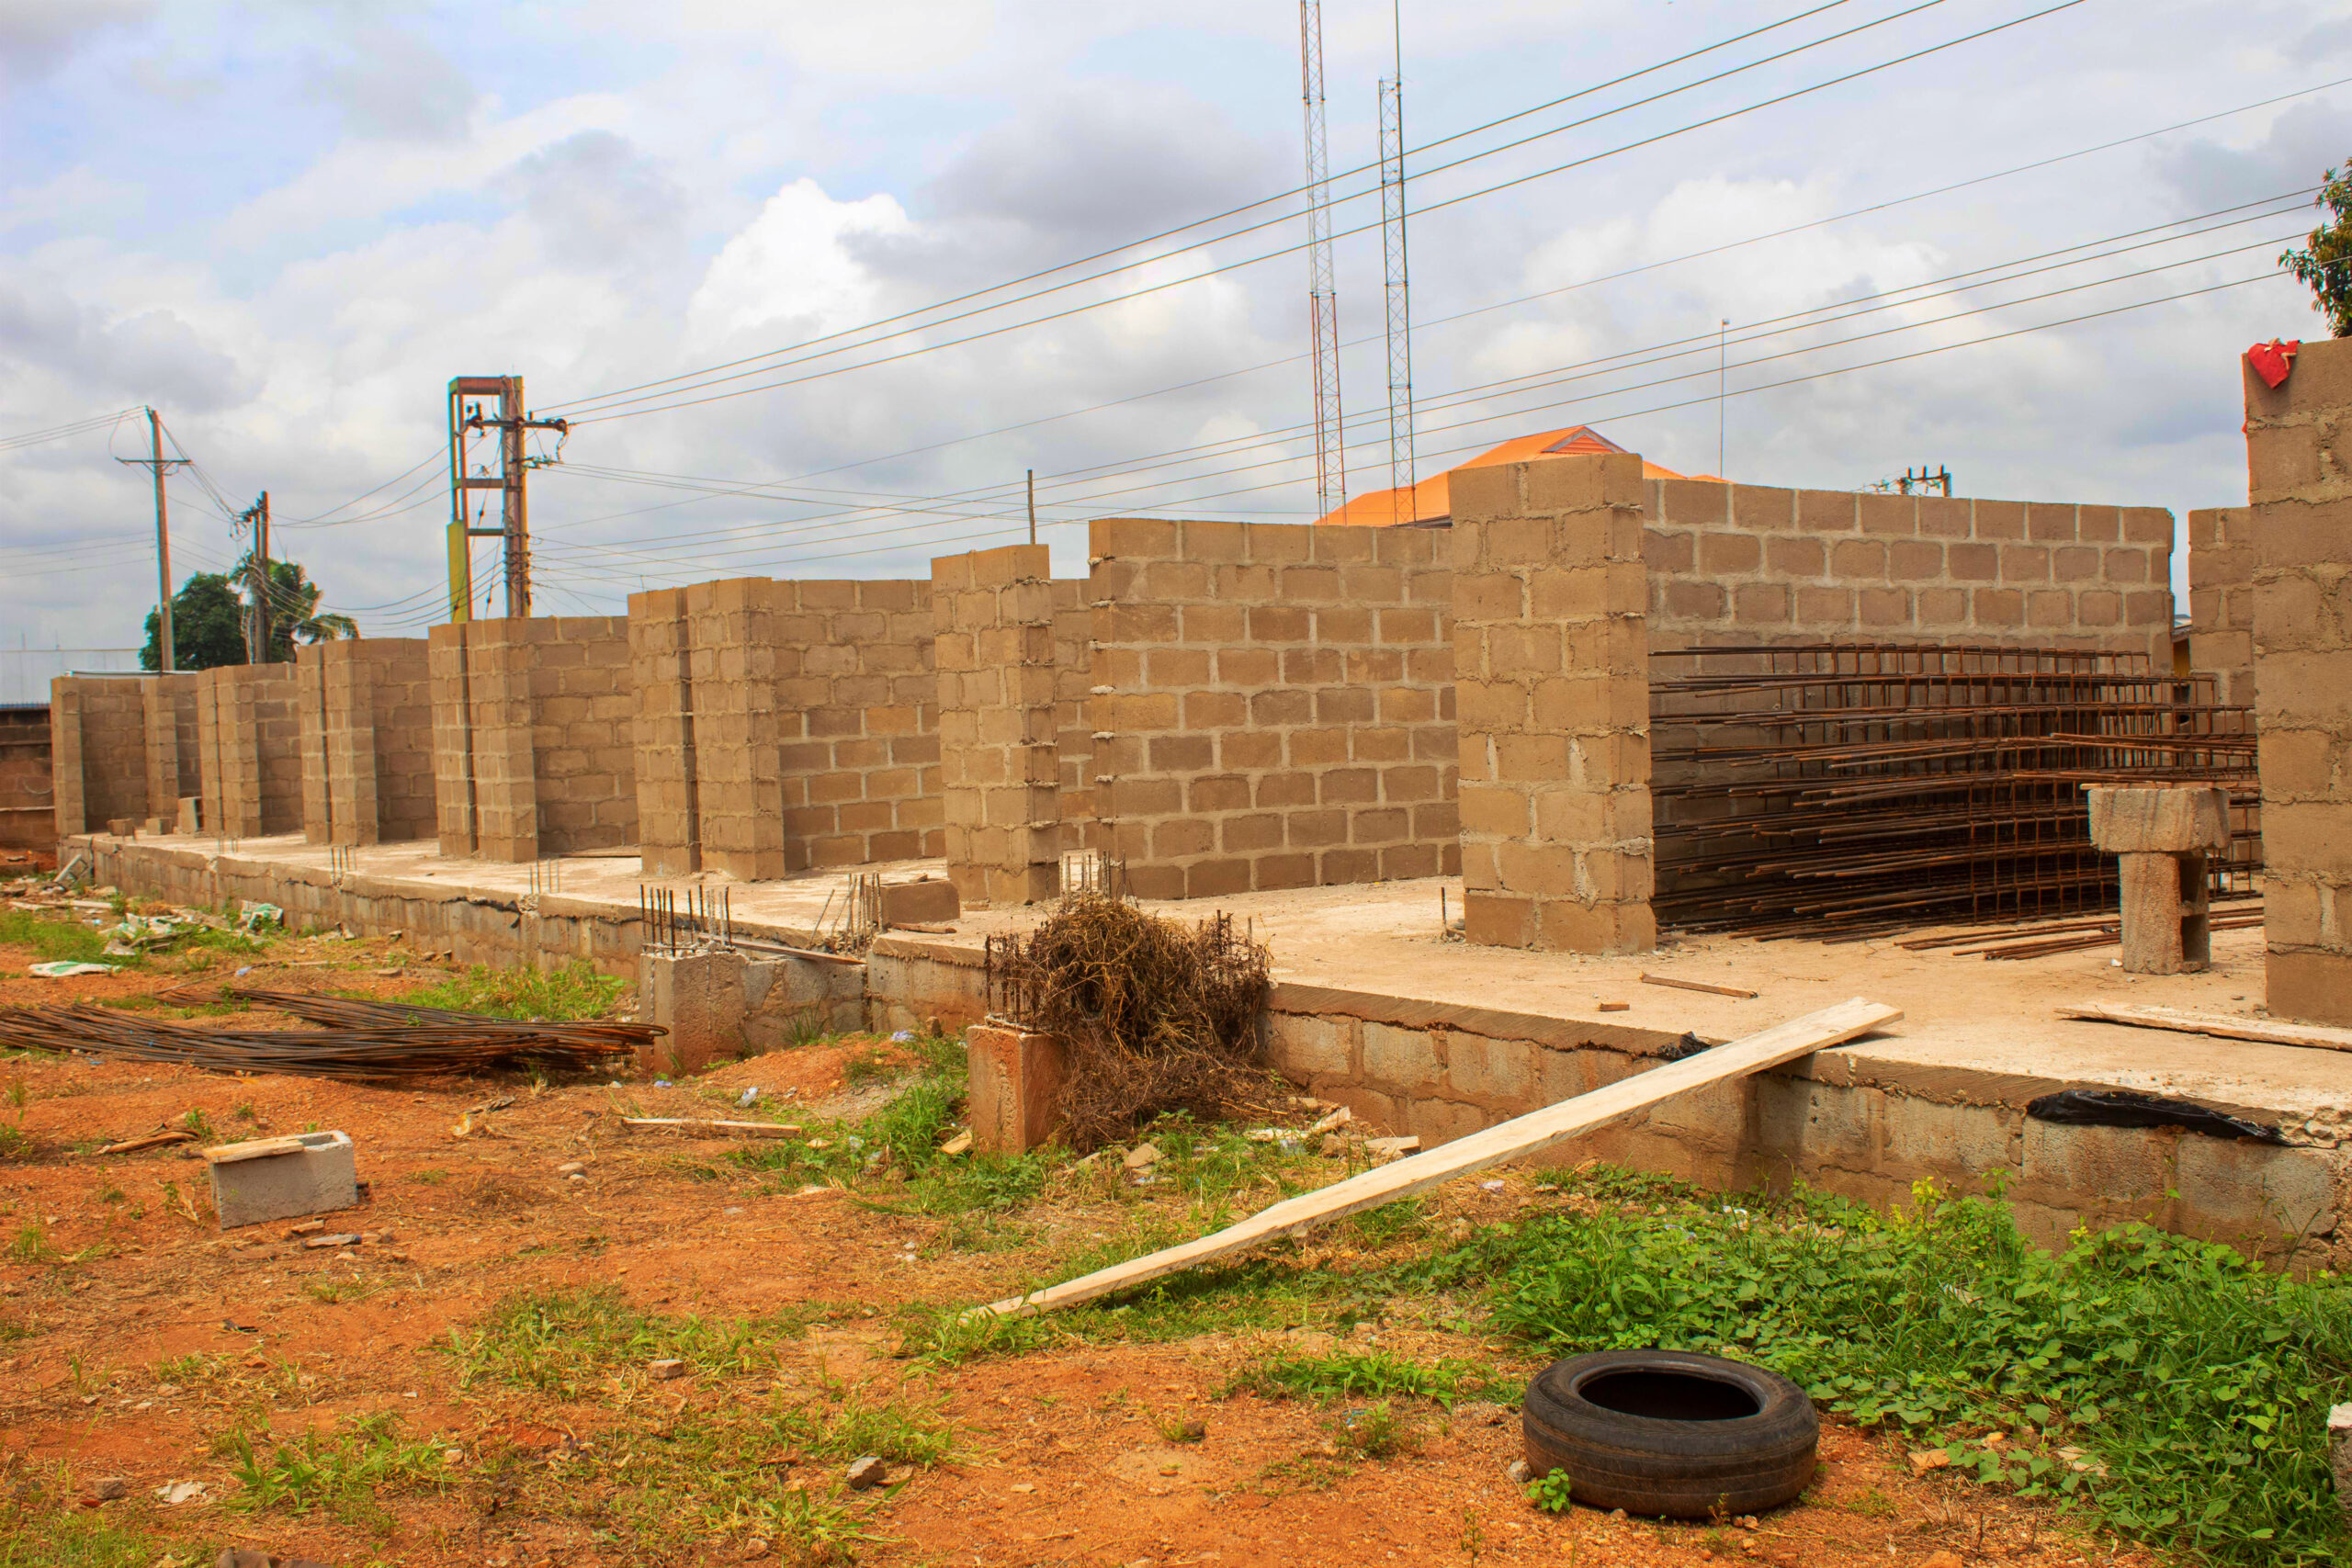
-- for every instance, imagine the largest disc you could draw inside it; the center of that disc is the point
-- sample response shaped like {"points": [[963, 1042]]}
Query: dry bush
{"points": [[1156, 1016]]}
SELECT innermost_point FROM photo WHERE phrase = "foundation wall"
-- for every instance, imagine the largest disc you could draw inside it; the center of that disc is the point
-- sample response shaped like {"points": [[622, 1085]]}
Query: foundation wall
{"points": [[1274, 704], [367, 716], [173, 767], [28, 785], [2220, 602], [249, 749], [782, 725], [1748, 563], [531, 737], [2298, 459], [97, 750]]}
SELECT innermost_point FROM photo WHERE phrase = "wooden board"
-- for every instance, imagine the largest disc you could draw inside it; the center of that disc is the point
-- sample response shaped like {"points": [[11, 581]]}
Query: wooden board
{"points": [[1740, 991], [2222, 1025], [1511, 1139]]}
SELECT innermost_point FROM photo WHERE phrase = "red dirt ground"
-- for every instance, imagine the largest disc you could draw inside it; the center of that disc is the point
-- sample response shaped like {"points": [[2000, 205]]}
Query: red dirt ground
{"points": [[1059, 1456]]}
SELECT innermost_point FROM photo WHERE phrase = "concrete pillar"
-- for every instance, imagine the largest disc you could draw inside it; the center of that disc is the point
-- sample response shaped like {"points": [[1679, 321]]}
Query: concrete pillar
{"points": [[733, 680], [249, 734], [1552, 698], [2299, 461], [2161, 837], [2221, 601], [999, 767], [1014, 1090], [668, 816]]}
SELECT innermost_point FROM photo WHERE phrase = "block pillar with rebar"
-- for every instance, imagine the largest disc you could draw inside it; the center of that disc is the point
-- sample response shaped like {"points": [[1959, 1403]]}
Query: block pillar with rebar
{"points": [[998, 761], [1552, 698]]}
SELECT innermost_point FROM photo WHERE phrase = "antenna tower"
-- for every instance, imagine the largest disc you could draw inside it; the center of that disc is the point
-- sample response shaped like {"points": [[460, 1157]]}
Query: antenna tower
{"points": [[1322, 297], [1401, 474]]}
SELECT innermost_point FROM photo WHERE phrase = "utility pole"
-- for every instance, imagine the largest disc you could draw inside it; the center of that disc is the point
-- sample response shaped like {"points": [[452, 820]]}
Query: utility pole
{"points": [[1322, 293], [258, 628], [157, 461], [1397, 276], [1722, 380], [512, 528], [1032, 506]]}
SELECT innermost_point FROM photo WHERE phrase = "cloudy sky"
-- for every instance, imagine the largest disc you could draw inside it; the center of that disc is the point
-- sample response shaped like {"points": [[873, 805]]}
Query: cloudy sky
{"points": [[744, 247]]}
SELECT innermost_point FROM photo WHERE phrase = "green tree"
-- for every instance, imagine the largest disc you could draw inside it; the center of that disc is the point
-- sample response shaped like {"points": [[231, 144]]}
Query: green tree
{"points": [[208, 626], [210, 611], [2325, 264]]}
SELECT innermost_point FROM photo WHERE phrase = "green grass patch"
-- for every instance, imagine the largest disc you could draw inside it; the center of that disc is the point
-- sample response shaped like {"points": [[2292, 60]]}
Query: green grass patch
{"points": [[573, 992], [16, 1143], [2194, 1382], [56, 938], [567, 1343], [1366, 1375], [31, 1538], [342, 1473]]}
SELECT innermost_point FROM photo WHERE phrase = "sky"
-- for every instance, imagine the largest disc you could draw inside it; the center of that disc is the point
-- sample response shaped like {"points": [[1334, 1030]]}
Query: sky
{"points": [[770, 262]]}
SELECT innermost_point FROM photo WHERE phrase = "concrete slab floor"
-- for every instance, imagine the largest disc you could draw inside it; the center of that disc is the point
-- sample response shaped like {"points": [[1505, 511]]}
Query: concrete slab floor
{"points": [[1968, 1019]]}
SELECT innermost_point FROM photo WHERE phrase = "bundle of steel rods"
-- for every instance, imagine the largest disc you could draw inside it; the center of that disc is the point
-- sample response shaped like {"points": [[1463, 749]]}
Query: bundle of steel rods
{"points": [[372, 1042], [343, 1011], [1864, 787]]}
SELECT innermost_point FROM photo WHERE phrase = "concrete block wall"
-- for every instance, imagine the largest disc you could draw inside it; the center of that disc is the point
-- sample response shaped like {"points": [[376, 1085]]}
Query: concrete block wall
{"points": [[2221, 601], [1073, 736], [532, 737], [27, 786], [1277, 702], [367, 716], [2299, 463], [782, 726], [249, 744], [174, 760], [1550, 659], [97, 750], [1751, 563], [999, 771]]}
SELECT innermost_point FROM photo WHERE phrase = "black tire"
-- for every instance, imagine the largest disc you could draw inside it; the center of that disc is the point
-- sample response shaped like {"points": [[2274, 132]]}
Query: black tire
{"points": [[1725, 1438]]}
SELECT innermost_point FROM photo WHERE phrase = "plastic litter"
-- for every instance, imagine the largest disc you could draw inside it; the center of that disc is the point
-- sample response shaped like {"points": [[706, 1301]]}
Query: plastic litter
{"points": [[2123, 1108], [60, 969], [748, 1097]]}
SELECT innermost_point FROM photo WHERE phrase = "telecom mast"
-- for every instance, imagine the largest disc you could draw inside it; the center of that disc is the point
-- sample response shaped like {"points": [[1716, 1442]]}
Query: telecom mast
{"points": [[1322, 299], [1401, 474]]}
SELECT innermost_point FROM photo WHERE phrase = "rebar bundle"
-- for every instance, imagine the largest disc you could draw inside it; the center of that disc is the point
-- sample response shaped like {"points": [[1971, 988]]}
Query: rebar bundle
{"points": [[367, 1042], [1863, 787]]}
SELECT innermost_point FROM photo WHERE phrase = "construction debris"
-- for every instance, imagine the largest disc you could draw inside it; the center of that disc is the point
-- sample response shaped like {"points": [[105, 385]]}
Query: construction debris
{"points": [[710, 1129], [2222, 1026], [1740, 991]]}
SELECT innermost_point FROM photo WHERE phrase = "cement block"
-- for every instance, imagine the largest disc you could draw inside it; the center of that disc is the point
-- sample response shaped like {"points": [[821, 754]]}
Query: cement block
{"points": [[1014, 1090], [927, 901], [278, 1179], [2133, 820]]}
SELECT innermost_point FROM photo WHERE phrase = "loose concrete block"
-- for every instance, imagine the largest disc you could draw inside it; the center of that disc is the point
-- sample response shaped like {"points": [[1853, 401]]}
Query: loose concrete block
{"points": [[2128, 819], [278, 1179], [1013, 1092], [698, 997], [928, 901]]}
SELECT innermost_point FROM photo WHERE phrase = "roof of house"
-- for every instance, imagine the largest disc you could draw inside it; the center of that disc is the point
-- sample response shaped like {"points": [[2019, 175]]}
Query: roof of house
{"points": [[1431, 501]]}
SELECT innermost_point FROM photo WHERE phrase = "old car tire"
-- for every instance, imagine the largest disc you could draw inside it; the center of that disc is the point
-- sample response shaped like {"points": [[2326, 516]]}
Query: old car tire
{"points": [[1670, 1434]]}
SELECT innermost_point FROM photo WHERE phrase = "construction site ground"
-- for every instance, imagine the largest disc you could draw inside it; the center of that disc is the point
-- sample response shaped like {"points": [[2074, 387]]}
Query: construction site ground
{"points": [[474, 1382]]}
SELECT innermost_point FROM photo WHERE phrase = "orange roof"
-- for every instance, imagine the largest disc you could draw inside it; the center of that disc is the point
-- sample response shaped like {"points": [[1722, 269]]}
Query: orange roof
{"points": [[1431, 501]]}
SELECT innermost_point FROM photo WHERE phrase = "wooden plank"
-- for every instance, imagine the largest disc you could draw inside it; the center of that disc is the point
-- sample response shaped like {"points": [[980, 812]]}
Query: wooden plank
{"points": [[1740, 991], [715, 1129], [2222, 1025], [255, 1148], [1522, 1135]]}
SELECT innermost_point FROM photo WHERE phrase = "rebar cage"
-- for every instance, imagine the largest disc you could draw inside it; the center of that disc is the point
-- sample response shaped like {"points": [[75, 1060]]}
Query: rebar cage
{"points": [[1869, 786]]}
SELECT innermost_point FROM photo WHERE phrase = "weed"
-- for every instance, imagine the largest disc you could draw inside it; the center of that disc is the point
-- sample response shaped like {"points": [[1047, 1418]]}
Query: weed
{"points": [[1304, 1472], [330, 1291], [109, 1193], [198, 1124], [1375, 1229], [1872, 1505], [1473, 1535], [246, 1111], [16, 1092], [68, 940], [16, 1143], [562, 1342], [340, 1475], [433, 1178], [869, 1065], [1360, 1375], [1177, 1430], [574, 991], [2193, 1381], [1550, 1492], [65, 1538], [32, 1245], [1376, 1431], [190, 1370]]}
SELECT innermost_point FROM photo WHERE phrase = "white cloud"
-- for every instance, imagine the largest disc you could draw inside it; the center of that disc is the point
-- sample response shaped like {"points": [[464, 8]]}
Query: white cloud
{"points": [[793, 266]]}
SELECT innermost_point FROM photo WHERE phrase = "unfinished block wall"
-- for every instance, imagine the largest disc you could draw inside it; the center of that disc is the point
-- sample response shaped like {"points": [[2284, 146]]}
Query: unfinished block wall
{"points": [[999, 771], [782, 726], [1272, 704], [2221, 601], [2299, 462], [249, 744], [1738, 563], [367, 716], [532, 743], [173, 768], [27, 786], [1551, 656], [1073, 736], [98, 751]]}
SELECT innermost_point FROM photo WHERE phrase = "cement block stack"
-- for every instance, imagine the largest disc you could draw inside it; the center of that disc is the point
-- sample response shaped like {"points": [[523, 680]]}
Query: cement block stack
{"points": [[1000, 766], [2221, 601], [2298, 460], [366, 723], [1551, 655], [249, 737]]}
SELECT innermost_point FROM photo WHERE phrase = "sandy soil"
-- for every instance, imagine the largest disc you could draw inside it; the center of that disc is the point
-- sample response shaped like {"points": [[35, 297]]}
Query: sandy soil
{"points": [[1061, 1456]]}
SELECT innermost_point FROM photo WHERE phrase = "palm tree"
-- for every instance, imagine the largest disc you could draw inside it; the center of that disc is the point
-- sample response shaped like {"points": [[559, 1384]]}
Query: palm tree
{"points": [[293, 608]]}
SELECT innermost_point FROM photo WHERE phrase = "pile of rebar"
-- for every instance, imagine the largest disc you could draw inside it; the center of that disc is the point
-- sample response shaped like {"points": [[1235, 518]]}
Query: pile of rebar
{"points": [[371, 1042], [1862, 787]]}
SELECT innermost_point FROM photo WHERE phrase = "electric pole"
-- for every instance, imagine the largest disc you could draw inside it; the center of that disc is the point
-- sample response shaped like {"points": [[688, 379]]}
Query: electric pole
{"points": [[165, 662], [1322, 292], [1032, 506], [512, 528], [1403, 481], [257, 626]]}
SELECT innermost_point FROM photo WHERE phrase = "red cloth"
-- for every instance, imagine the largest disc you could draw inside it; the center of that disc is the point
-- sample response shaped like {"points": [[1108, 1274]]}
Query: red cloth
{"points": [[2273, 361]]}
